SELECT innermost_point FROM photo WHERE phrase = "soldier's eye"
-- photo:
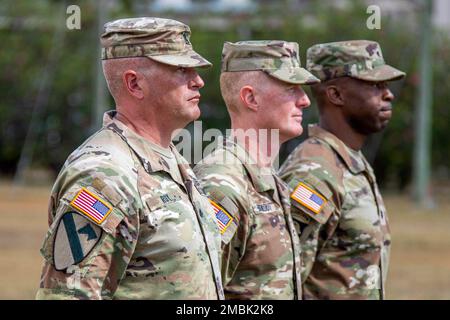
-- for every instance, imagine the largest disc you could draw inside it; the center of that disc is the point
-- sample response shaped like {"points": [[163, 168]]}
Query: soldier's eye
{"points": [[381, 85]]}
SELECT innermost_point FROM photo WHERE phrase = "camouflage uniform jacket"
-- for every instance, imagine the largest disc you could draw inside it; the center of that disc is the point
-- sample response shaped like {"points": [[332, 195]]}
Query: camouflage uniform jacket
{"points": [[159, 239], [345, 235], [260, 247]]}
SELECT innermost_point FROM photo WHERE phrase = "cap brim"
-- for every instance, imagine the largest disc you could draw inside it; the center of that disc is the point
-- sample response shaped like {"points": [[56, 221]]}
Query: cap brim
{"points": [[190, 59], [381, 73], [294, 76]]}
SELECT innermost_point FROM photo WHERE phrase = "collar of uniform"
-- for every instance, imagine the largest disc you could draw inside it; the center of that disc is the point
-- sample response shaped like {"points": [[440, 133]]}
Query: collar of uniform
{"points": [[253, 170], [151, 160], [353, 159], [183, 166]]}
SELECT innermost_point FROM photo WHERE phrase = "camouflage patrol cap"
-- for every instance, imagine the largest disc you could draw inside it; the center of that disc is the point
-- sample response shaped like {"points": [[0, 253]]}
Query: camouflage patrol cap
{"points": [[162, 40], [360, 59], [279, 59]]}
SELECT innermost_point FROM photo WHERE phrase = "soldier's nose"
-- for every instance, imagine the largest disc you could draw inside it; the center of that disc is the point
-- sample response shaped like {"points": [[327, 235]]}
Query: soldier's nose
{"points": [[197, 81], [388, 95], [303, 101]]}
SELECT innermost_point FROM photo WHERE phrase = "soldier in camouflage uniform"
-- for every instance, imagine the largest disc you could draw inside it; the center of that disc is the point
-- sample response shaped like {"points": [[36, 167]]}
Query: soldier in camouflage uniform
{"points": [[260, 84], [335, 199], [127, 218]]}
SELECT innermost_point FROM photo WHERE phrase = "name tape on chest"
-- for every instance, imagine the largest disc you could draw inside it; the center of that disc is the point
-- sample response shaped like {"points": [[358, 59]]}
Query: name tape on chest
{"points": [[91, 206], [308, 198], [224, 219], [266, 207]]}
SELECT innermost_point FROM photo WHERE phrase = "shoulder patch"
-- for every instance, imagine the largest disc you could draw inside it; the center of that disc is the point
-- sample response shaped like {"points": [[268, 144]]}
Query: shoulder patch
{"points": [[74, 239], [224, 219], [91, 206], [308, 198]]}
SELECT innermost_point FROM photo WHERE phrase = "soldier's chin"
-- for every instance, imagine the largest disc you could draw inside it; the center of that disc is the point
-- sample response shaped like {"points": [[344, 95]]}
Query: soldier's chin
{"points": [[290, 133], [195, 114], [383, 123]]}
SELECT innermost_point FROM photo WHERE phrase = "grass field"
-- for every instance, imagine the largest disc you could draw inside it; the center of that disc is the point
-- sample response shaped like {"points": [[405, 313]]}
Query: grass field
{"points": [[419, 269]]}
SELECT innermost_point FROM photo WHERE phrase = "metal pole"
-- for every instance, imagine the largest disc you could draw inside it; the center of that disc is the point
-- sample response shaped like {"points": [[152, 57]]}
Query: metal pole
{"points": [[45, 83], [100, 86], [422, 151]]}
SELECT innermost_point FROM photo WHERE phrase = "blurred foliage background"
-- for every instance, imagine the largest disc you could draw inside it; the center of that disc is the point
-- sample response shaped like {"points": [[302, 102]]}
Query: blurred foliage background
{"points": [[48, 73], [51, 98]]}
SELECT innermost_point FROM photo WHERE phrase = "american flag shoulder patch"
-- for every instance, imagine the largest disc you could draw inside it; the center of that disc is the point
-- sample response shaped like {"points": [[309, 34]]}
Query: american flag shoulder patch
{"points": [[224, 219], [308, 198], [91, 206]]}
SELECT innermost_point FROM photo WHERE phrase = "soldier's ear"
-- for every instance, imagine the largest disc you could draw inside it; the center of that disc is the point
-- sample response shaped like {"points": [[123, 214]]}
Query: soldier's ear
{"points": [[334, 95], [248, 99], [133, 83]]}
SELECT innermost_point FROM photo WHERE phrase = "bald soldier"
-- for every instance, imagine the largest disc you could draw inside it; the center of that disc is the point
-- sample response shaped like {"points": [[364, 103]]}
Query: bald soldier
{"points": [[335, 198], [127, 219], [261, 84]]}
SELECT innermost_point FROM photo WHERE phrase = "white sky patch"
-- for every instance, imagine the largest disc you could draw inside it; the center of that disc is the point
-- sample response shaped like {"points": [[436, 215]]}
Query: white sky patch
{"points": [[172, 4]]}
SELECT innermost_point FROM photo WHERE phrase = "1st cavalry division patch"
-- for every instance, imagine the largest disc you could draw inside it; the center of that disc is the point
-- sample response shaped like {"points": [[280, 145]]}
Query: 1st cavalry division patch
{"points": [[74, 239], [308, 198], [223, 218]]}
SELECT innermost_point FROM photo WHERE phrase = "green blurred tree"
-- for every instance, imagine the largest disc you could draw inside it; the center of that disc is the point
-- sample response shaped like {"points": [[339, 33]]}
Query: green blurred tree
{"points": [[67, 118]]}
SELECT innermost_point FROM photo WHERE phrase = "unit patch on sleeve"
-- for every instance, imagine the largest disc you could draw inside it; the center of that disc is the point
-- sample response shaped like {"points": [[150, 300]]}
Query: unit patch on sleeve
{"points": [[74, 240], [91, 206], [223, 218], [308, 198]]}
